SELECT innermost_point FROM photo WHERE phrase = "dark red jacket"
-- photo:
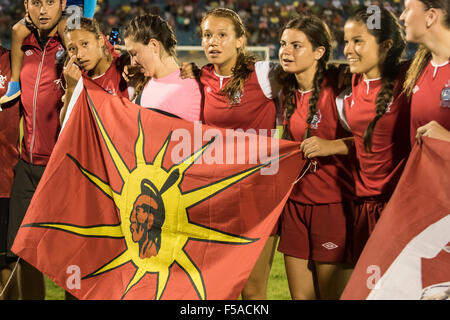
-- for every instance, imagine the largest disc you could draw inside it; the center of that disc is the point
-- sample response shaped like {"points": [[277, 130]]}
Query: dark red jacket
{"points": [[9, 129], [40, 80]]}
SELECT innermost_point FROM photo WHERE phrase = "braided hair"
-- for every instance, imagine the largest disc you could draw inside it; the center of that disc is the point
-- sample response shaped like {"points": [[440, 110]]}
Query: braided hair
{"points": [[391, 30], [318, 35]]}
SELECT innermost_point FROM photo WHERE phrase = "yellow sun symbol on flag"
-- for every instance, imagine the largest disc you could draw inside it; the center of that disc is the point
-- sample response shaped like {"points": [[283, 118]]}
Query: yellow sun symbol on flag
{"points": [[153, 214]]}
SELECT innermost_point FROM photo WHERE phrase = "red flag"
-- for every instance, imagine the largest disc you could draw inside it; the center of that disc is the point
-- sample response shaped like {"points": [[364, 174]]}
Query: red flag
{"points": [[136, 205], [408, 254]]}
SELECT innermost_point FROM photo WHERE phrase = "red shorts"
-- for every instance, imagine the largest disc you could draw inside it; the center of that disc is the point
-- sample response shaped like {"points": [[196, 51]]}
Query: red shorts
{"points": [[317, 232], [366, 215]]}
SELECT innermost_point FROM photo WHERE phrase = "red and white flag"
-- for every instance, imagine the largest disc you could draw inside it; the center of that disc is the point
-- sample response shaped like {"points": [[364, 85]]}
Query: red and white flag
{"points": [[408, 255]]}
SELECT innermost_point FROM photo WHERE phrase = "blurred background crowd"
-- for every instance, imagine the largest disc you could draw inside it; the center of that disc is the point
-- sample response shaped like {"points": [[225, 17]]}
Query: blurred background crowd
{"points": [[263, 18]]}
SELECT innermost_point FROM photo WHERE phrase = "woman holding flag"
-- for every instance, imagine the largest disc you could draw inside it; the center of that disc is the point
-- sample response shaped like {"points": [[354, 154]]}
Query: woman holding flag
{"points": [[314, 224], [239, 93], [427, 22], [91, 54], [377, 113]]}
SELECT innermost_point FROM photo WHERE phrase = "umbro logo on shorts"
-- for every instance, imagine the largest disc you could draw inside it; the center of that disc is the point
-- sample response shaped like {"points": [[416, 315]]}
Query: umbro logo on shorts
{"points": [[329, 245]]}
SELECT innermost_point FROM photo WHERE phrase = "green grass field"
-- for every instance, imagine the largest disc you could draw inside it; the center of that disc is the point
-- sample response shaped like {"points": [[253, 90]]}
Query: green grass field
{"points": [[277, 288]]}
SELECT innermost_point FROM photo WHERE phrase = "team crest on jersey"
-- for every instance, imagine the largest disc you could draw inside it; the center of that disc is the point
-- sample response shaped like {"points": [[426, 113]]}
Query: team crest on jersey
{"points": [[3, 81], [237, 97], [28, 53], [415, 89], [445, 96], [388, 108], [316, 120]]}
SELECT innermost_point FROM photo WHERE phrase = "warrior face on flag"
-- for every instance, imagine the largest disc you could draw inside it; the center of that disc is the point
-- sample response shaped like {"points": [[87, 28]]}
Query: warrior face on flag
{"points": [[146, 220]]}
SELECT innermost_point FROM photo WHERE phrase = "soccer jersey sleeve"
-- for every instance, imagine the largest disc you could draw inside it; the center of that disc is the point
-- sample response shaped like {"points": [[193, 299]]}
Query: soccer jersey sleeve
{"points": [[266, 73], [340, 105]]}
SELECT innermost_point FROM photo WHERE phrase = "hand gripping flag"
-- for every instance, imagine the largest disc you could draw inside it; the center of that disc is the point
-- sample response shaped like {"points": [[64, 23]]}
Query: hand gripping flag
{"points": [[408, 255], [137, 205]]}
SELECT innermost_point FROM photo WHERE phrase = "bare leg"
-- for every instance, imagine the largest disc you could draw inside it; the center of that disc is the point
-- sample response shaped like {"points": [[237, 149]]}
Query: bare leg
{"points": [[19, 33], [12, 292], [301, 278], [256, 286], [331, 279], [32, 282]]}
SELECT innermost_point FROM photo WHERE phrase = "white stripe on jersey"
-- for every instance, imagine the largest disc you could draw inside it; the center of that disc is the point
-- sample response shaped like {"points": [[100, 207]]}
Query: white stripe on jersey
{"points": [[340, 106], [265, 73], [75, 95]]}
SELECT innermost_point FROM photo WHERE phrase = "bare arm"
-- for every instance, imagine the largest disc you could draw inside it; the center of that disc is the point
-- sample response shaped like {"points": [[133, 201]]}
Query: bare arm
{"points": [[71, 74], [433, 130], [318, 147], [66, 99]]}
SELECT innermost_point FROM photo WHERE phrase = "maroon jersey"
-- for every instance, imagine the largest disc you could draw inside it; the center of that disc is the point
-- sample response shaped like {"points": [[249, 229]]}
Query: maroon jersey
{"points": [[431, 98], [9, 130], [332, 182], [255, 108], [378, 171], [112, 81]]}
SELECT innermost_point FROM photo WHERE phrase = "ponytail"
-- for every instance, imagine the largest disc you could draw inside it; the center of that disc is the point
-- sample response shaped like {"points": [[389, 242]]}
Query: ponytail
{"points": [[420, 61]]}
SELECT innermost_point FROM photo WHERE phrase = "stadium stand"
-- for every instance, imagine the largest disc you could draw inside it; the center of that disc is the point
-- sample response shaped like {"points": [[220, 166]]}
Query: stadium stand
{"points": [[263, 18]]}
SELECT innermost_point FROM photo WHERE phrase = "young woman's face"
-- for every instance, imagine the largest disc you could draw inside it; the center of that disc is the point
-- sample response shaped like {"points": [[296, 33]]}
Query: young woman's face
{"points": [[142, 56], [296, 53], [414, 19], [361, 49], [219, 41], [87, 49]]}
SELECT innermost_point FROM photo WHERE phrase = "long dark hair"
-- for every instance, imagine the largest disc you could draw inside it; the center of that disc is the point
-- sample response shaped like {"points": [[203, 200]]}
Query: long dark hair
{"points": [[318, 35], [423, 55], [390, 30], [244, 61]]}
